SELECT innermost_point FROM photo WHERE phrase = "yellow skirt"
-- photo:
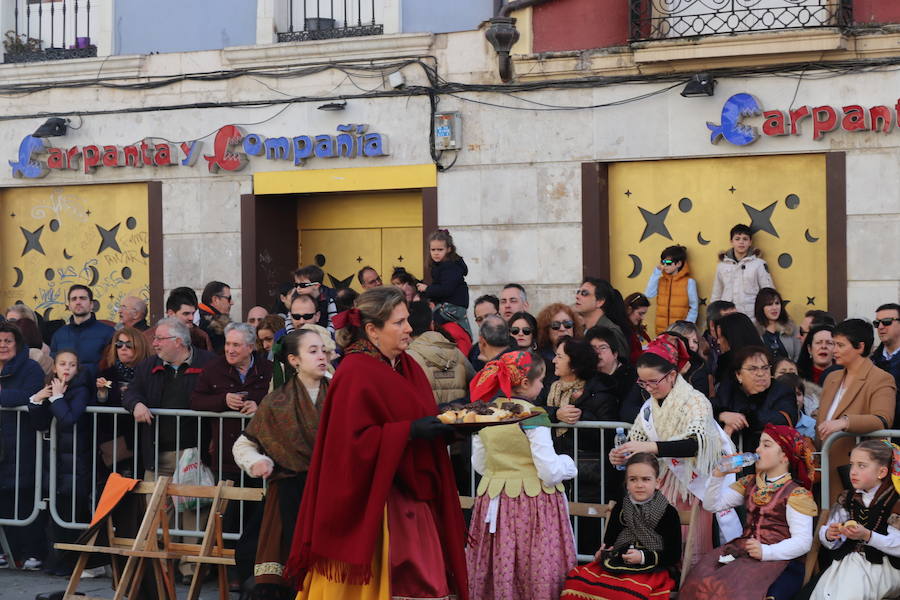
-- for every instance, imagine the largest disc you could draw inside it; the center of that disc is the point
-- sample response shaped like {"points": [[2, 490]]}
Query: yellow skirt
{"points": [[318, 587]]}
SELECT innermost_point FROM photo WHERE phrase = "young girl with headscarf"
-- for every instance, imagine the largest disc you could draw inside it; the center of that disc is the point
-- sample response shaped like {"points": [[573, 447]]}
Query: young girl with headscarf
{"points": [[676, 424], [520, 541], [766, 561]]}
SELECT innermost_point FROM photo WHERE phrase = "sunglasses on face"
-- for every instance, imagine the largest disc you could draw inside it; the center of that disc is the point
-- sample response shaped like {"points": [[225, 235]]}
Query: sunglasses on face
{"points": [[304, 317], [885, 322], [523, 330], [556, 325], [223, 297], [121, 344], [304, 285], [668, 262]]}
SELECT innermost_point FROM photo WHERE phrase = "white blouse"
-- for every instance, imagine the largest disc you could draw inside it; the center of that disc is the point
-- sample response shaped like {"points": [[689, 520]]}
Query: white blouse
{"points": [[719, 497]]}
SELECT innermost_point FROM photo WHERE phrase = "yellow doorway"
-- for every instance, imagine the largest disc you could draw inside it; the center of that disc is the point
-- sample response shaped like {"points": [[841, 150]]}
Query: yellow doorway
{"points": [[343, 232]]}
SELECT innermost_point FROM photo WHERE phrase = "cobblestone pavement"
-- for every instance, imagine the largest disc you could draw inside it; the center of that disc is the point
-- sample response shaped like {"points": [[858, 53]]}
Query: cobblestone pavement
{"points": [[25, 585]]}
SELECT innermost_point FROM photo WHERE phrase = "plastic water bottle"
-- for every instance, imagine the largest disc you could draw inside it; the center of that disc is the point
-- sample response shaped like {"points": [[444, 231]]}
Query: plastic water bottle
{"points": [[620, 439], [738, 461]]}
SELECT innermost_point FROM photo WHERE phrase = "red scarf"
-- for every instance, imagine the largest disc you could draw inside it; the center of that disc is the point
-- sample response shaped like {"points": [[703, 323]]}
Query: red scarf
{"points": [[362, 449]]}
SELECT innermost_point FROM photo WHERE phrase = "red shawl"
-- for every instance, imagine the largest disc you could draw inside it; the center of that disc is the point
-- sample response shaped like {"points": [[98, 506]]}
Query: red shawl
{"points": [[362, 449]]}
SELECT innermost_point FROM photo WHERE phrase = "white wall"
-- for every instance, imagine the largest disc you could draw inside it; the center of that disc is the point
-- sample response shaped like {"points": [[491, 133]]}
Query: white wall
{"points": [[513, 199]]}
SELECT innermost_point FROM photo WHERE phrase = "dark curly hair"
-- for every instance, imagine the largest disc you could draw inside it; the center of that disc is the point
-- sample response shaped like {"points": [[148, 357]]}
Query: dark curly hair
{"points": [[582, 358]]}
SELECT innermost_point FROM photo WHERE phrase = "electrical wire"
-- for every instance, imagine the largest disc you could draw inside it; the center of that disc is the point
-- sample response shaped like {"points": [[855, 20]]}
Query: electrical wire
{"points": [[437, 87]]}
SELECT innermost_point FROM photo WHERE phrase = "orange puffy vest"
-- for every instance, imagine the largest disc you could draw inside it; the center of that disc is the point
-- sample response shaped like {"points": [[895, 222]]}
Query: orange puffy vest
{"points": [[672, 303]]}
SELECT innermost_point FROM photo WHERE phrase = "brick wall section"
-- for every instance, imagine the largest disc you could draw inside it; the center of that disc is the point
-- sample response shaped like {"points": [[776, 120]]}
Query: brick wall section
{"points": [[876, 11], [579, 24]]}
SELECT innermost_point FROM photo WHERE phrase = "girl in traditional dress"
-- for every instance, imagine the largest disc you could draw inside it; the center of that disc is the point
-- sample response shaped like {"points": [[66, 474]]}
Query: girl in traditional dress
{"points": [[862, 532], [676, 424], [762, 563], [277, 445], [642, 545], [380, 516], [520, 541]]}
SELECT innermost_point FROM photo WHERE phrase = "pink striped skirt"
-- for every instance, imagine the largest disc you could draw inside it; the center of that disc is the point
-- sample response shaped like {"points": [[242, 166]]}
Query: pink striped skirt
{"points": [[529, 554]]}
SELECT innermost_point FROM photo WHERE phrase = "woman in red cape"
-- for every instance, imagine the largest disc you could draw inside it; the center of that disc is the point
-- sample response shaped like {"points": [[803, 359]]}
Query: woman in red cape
{"points": [[380, 516]]}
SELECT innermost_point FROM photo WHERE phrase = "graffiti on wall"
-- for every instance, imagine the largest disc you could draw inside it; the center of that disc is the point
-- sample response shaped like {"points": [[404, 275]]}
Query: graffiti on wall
{"points": [[54, 237], [695, 203]]}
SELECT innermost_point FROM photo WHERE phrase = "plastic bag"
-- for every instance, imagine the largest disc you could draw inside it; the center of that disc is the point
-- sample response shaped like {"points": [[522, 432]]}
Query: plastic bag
{"points": [[191, 471]]}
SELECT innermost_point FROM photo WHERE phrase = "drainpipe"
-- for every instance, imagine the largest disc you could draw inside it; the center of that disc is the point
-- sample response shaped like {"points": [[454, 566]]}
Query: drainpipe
{"points": [[502, 34]]}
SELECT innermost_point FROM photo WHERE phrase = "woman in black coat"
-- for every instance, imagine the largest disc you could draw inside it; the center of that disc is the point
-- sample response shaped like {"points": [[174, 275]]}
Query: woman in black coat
{"points": [[747, 398]]}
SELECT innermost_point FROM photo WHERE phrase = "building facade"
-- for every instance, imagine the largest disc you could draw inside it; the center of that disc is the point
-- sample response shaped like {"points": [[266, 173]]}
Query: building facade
{"points": [[349, 141]]}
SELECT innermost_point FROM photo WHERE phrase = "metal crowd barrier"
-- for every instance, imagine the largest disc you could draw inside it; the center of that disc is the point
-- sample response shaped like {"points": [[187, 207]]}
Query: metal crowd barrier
{"points": [[826, 446], [17, 519], [69, 516]]}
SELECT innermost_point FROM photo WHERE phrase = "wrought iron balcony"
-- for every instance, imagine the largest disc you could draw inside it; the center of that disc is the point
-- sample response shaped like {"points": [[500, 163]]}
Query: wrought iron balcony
{"points": [[328, 19], [49, 30], [667, 19]]}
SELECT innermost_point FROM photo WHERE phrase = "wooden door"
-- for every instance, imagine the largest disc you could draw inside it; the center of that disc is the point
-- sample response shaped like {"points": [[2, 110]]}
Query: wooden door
{"points": [[344, 232]]}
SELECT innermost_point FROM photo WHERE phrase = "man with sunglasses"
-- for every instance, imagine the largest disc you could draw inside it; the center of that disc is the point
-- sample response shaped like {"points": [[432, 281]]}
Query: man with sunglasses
{"points": [[215, 304], [303, 311], [310, 281], [887, 355]]}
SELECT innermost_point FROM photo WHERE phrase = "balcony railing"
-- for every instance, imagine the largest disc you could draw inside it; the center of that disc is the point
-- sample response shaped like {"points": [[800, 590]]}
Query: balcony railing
{"points": [[667, 19], [49, 30], [304, 20]]}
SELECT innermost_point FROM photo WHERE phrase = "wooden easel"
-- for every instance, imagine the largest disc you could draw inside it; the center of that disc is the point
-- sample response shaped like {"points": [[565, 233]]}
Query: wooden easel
{"points": [[152, 545]]}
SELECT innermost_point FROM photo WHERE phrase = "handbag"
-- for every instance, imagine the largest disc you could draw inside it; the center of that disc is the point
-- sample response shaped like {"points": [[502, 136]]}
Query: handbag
{"points": [[118, 448]]}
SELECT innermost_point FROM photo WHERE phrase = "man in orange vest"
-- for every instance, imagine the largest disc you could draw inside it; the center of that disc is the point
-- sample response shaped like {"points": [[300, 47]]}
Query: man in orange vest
{"points": [[674, 289]]}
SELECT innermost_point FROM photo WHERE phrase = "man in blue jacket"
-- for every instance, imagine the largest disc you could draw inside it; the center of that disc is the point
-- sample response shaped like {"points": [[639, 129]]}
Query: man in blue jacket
{"points": [[83, 333], [887, 355]]}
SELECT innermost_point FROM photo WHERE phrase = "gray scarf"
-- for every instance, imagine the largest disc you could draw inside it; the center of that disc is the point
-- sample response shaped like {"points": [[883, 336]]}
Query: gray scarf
{"points": [[639, 523]]}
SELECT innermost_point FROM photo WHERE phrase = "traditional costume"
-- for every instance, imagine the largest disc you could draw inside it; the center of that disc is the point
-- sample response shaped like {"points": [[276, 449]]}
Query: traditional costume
{"points": [[380, 516], [865, 569], [520, 540], [653, 527], [282, 431], [780, 514], [688, 439]]}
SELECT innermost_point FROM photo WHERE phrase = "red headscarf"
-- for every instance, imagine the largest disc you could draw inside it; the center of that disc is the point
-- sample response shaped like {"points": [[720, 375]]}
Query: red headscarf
{"points": [[798, 449], [347, 317], [503, 374], [671, 348]]}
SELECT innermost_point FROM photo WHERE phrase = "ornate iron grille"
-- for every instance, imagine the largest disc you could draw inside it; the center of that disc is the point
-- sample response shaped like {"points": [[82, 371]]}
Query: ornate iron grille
{"points": [[329, 19], [667, 19], [49, 30]]}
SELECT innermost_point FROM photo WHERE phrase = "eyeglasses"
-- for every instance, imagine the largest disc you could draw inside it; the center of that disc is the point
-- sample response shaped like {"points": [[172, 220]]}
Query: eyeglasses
{"points": [[804, 332], [644, 384], [305, 284], [668, 262], [757, 369], [582, 292], [156, 338], [601, 348], [523, 330], [556, 325], [223, 297], [302, 317], [7, 342], [885, 322], [121, 344]]}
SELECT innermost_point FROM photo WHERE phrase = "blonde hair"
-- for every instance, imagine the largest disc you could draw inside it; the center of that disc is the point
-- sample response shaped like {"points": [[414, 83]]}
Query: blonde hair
{"points": [[138, 341], [375, 306]]}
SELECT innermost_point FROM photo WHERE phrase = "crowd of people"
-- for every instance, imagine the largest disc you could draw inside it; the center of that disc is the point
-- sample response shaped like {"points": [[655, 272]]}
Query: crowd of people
{"points": [[341, 392]]}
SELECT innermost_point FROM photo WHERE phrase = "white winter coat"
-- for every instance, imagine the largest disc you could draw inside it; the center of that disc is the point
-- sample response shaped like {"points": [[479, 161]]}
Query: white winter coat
{"points": [[739, 281]]}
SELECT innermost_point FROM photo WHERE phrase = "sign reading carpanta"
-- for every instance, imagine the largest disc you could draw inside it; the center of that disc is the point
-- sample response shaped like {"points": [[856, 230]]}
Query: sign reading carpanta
{"points": [[232, 150], [824, 119]]}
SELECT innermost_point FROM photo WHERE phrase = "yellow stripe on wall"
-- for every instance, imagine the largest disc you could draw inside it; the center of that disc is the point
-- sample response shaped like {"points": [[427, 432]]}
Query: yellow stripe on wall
{"points": [[345, 180]]}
